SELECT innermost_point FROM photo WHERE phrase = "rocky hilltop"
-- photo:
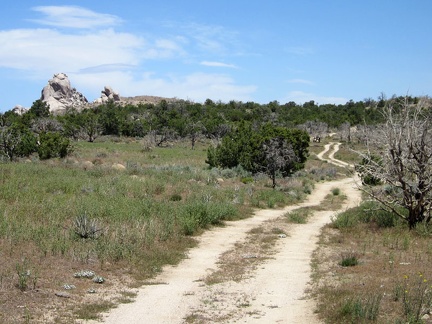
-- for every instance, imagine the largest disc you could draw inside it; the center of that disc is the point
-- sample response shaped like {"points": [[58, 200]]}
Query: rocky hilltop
{"points": [[59, 95]]}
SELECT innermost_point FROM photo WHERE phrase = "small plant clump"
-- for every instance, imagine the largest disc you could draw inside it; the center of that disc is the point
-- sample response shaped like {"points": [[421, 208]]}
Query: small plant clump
{"points": [[98, 279], [84, 274], [175, 197], [361, 309], [349, 259], [298, 216], [87, 228], [89, 274], [25, 276], [335, 191]]}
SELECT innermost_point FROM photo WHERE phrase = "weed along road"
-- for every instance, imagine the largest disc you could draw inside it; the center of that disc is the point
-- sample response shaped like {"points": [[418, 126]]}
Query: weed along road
{"points": [[271, 291]]}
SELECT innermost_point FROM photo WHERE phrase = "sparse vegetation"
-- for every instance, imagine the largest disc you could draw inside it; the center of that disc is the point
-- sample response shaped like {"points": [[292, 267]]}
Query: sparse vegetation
{"points": [[349, 259], [132, 198], [385, 279], [127, 224], [299, 216]]}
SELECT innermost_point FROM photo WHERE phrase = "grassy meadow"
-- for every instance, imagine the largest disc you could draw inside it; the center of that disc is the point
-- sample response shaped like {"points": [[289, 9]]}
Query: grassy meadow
{"points": [[121, 211]]}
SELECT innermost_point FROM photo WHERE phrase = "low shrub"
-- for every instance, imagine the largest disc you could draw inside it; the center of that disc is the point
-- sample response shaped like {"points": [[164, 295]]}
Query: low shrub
{"points": [[298, 216], [196, 215], [367, 212], [175, 197], [86, 227], [247, 180], [53, 145], [335, 191], [361, 309], [349, 259]]}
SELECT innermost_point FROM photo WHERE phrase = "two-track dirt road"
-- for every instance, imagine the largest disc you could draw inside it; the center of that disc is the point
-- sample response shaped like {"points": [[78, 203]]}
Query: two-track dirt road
{"points": [[273, 293]]}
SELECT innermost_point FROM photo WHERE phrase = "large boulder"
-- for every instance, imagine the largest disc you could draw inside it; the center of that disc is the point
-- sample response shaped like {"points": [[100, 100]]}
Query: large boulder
{"points": [[59, 94], [20, 110], [107, 94]]}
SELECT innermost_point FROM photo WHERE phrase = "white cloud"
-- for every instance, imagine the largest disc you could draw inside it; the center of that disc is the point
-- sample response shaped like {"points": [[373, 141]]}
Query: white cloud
{"points": [[211, 38], [194, 86], [218, 64], [74, 17], [102, 56], [302, 97], [166, 48], [45, 49]]}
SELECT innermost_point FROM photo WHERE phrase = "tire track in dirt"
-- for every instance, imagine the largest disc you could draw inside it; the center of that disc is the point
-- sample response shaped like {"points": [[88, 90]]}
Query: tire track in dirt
{"points": [[275, 293]]}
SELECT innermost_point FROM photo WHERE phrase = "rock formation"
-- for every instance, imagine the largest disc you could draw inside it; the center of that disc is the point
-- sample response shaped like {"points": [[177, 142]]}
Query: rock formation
{"points": [[107, 94], [19, 110], [59, 94]]}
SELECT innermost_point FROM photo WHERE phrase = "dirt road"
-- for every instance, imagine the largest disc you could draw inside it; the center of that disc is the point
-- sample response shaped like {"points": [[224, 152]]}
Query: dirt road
{"points": [[273, 293]]}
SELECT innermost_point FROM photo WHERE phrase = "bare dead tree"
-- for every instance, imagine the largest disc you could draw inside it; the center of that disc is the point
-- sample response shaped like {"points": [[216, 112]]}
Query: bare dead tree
{"points": [[399, 155], [279, 155], [194, 130], [345, 131], [9, 141], [362, 132], [315, 128], [162, 137], [46, 124]]}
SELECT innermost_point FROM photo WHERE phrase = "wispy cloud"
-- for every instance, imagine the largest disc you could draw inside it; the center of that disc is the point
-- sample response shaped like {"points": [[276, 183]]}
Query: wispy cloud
{"points": [[104, 68], [51, 50], [166, 48], [213, 39], [74, 17], [99, 55], [218, 64], [193, 86], [300, 81]]}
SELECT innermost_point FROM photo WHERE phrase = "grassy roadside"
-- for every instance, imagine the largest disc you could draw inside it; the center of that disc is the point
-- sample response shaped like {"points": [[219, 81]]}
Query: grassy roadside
{"points": [[121, 211], [370, 268]]}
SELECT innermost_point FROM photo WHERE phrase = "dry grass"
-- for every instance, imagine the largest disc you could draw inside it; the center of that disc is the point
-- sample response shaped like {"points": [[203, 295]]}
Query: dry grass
{"points": [[40, 200], [347, 152], [238, 263], [390, 283]]}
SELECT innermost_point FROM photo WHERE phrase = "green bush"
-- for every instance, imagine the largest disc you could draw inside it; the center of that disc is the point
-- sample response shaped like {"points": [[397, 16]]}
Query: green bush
{"points": [[16, 141], [361, 309], [335, 191], [244, 146], [196, 215], [247, 180], [349, 260], [299, 216], [367, 212], [175, 197], [53, 145]]}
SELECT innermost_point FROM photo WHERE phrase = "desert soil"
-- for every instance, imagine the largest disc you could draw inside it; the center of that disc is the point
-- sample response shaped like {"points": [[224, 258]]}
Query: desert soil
{"points": [[274, 291]]}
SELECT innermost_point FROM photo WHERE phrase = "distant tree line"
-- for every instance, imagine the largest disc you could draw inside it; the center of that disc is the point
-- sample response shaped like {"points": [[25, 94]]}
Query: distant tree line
{"points": [[39, 131]]}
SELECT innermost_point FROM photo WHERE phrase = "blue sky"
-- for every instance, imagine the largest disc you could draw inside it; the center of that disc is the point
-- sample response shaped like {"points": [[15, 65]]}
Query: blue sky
{"points": [[330, 51]]}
